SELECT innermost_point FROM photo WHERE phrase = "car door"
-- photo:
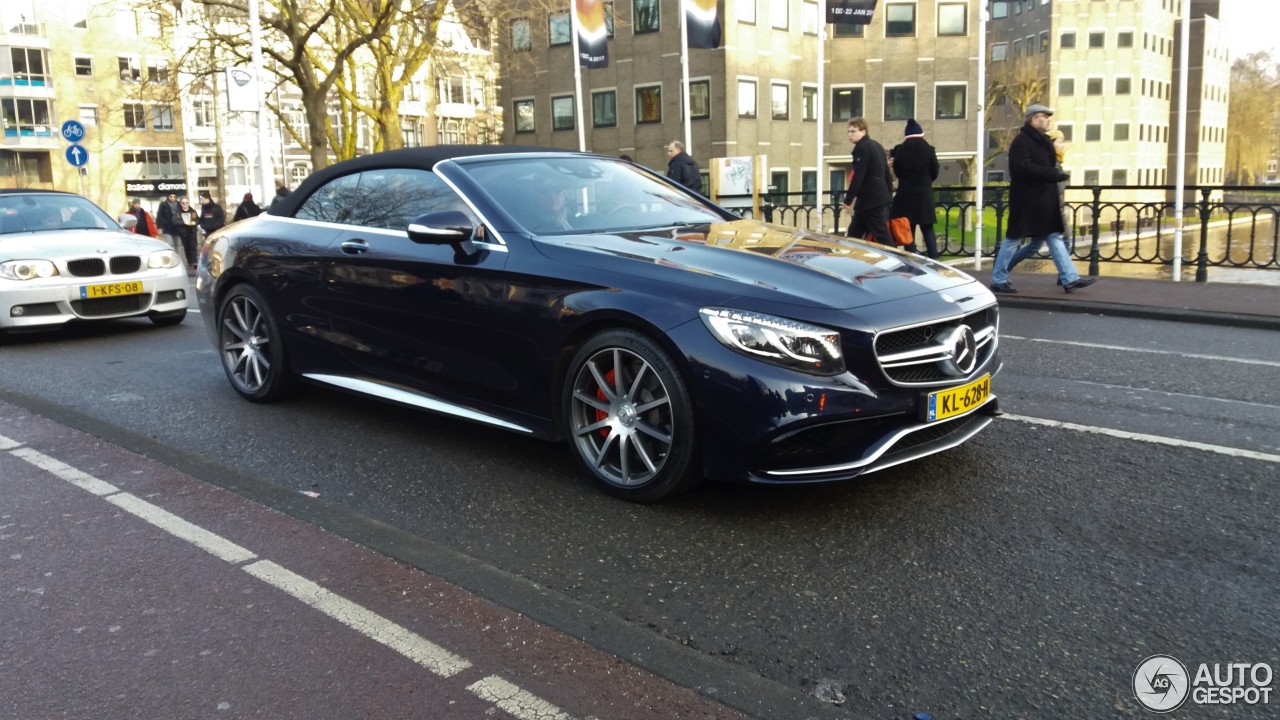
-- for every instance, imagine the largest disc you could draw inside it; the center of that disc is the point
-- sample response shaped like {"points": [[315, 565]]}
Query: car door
{"points": [[413, 314]]}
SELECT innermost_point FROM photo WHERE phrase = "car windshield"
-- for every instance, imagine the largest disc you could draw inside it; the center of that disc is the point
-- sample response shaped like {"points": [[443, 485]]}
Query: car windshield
{"points": [[40, 212], [567, 195]]}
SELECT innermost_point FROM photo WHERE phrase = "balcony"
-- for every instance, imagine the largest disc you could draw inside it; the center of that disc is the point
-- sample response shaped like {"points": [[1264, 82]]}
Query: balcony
{"points": [[26, 86], [455, 110], [31, 35]]}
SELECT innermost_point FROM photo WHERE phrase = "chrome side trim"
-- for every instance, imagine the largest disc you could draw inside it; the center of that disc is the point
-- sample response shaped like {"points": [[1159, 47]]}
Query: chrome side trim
{"points": [[867, 462], [492, 247], [409, 397]]}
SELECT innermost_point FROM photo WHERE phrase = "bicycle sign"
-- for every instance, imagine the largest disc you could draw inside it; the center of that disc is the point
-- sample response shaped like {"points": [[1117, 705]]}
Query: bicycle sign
{"points": [[73, 131]]}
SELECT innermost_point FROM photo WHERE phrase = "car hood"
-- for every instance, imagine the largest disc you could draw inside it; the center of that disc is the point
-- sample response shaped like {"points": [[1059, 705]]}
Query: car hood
{"points": [[757, 259], [57, 244]]}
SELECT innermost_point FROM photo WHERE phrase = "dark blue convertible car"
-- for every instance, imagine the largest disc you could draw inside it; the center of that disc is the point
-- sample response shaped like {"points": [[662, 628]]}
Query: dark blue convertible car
{"points": [[585, 299]]}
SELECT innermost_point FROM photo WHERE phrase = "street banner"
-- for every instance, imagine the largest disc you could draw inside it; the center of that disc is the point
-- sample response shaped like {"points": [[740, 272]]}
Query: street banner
{"points": [[593, 34], [850, 12], [703, 23], [242, 90]]}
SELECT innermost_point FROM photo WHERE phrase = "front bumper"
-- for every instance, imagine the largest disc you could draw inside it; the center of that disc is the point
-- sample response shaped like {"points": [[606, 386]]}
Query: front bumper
{"points": [[56, 301]]}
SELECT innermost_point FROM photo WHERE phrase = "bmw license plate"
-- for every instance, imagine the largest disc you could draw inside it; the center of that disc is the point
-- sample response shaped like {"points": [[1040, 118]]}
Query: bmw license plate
{"points": [[111, 289], [958, 400]]}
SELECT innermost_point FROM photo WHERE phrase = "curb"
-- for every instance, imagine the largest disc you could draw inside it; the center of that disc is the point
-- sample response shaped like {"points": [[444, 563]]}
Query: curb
{"points": [[1258, 322]]}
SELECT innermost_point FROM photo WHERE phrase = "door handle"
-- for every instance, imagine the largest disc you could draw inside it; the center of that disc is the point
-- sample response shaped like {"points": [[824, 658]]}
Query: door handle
{"points": [[354, 247]]}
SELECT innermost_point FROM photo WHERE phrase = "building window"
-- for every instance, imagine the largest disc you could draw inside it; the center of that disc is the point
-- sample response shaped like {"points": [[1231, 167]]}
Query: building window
{"points": [[89, 115], [842, 30], [649, 104], [809, 22], [846, 103], [699, 99], [130, 70], [778, 181], [84, 67], [999, 52], [900, 20], [237, 170], [153, 163], [746, 11], [1044, 41], [411, 133], [1124, 39], [1090, 177], [950, 102], [202, 115], [808, 103], [1097, 38], [162, 117], [1121, 131], [604, 109], [899, 102], [995, 176], [1066, 86], [558, 29], [24, 117], [1120, 177], [1067, 131], [645, 16], [779, 16], [158, 72], [1015, 50], [953, 19], [524, 116], [521, 37], [28, 66], [1092, 132], [747, 98], [135, 116], [1067, 39], [999, 9], [1093, 86], [562, 112], [1124, 85], [780, 101]]}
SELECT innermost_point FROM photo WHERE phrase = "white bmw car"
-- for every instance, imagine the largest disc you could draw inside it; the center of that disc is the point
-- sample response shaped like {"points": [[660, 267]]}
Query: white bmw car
{"points": [[63, 259]]}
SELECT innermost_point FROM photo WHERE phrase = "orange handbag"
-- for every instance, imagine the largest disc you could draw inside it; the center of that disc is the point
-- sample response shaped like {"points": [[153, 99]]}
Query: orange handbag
{"points": [[900, 231]]}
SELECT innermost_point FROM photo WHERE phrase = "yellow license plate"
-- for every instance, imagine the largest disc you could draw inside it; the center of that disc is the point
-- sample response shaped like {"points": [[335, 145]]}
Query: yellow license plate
{"points": [[111, 289], [958, 400]]}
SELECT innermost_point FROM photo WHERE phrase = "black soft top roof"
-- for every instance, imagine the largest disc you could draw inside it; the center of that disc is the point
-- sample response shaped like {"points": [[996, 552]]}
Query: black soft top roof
{"points": [[423, 158]]}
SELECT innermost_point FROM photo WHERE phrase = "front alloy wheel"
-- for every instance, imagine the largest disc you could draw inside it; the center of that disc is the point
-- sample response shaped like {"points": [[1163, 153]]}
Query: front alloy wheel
{"points": [[629, 418], [249, 344]]}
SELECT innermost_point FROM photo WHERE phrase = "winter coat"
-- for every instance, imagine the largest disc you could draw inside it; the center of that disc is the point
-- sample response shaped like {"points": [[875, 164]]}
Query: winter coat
{"points": [[684, 170], [247, 209], [1034, 205], [915, 163], [144, 226], [281, 194], [165, 217], [212, 217], [869, 187]]}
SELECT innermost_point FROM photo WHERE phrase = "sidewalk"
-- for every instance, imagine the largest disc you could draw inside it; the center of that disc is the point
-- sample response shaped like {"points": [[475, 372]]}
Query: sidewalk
{"points": [[1238, 305]]}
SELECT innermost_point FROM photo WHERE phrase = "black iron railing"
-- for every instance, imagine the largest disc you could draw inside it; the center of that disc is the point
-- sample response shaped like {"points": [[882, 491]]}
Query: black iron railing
{"points": [[1235, 226]]}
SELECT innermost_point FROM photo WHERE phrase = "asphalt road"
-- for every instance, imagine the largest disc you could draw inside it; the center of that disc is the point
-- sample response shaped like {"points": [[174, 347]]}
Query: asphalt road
{"points": [[1026, 574]]}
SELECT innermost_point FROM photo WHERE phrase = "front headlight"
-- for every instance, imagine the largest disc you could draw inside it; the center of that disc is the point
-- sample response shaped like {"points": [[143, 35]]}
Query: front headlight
{"points": [[776, 340], [27, 269], [162, 259]]}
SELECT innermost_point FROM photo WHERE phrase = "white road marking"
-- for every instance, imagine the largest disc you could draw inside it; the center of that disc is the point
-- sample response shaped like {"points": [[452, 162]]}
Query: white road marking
{"points": [[81, 480], [493, 689], [368, 623], [1151, 351], [214, 544], [1143, 437], [515, 701]]}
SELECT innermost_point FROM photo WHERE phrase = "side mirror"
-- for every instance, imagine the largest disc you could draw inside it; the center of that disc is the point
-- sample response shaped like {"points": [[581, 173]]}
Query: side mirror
{"points": [[449, 227], [127, 221]]}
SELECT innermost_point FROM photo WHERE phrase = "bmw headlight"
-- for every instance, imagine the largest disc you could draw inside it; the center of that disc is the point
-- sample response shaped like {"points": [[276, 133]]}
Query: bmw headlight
{"points": [[27, 269], [162, 259], [776, 340]]}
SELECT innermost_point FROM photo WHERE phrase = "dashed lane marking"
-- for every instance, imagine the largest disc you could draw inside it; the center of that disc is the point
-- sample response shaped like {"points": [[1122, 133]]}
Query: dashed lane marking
{"points": [[1143, 437], [1150, 351], [374, 626], [493, 689]]}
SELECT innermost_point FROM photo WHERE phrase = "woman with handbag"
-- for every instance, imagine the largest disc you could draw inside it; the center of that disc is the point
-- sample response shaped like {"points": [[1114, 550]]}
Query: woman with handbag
{"points": [[915, 164]]}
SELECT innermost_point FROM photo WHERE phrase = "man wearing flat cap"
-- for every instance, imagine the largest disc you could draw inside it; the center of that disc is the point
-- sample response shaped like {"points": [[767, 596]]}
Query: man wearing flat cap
{"points": [[1035, 207]]}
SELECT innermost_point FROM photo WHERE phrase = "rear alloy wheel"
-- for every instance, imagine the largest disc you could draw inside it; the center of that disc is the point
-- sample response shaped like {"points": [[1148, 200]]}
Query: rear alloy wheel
{"points": [[629, 418], [249, 344]]}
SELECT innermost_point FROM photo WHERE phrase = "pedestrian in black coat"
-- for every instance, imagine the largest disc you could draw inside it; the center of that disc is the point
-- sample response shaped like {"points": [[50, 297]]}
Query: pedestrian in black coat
{"points": [[212, 216], [682, 168], [868, 194], [247, 209], [915, 164]]}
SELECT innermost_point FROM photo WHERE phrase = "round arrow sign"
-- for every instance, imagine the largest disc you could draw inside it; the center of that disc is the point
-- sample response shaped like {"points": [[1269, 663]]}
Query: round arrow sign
{"points": [[77, 155]]}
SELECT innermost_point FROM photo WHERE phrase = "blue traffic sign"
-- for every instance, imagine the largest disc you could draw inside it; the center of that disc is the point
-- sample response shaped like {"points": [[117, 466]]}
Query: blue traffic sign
{"points": [[77, 155], [73, 131]]}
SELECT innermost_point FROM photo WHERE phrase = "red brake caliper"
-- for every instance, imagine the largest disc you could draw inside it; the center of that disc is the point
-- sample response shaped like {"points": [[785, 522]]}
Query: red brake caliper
{"points": [[600, 414]]}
